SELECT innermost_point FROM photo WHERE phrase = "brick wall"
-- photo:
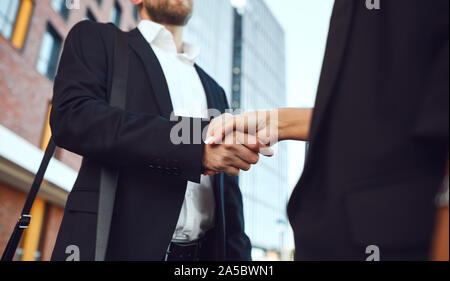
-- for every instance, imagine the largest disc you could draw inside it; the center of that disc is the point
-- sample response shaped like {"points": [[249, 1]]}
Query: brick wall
{"points": [[11, 202], [24, 93], [24, 98], [52, 220]]}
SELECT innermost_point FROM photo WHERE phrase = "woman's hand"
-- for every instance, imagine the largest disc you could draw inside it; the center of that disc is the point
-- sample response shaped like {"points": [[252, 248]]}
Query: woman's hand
{"points": [[242, 130], [268, 127], [262, 124]]}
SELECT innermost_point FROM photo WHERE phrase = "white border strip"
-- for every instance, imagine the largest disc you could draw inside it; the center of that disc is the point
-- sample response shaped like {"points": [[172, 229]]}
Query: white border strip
{"points": [[19, 151]]}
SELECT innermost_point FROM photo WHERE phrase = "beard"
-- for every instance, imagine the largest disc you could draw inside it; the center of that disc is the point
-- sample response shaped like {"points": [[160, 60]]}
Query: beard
{"points": [[169, 12]]}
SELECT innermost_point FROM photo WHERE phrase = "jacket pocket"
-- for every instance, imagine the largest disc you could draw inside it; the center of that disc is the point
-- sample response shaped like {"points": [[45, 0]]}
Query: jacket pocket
{"points": [[393, 214], [83, 201]]}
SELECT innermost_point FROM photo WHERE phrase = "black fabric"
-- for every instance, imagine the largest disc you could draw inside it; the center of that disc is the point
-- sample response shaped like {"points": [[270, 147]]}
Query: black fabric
{"points": [[153, 171], [193, 251], [379, 134]]}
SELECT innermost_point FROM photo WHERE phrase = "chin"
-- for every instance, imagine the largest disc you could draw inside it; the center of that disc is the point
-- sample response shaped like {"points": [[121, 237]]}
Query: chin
{"points": [[186, 4]]}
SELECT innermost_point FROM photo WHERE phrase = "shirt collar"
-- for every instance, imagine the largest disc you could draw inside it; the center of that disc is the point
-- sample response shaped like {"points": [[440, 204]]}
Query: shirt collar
{"points": [[157, 35]]}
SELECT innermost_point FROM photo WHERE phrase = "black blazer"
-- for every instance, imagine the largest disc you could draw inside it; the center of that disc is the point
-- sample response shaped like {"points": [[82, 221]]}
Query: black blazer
{"points": [[154, 172], [379, 135]]}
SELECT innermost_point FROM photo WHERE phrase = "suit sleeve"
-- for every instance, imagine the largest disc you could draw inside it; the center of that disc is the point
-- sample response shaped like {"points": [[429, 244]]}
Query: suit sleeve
{"points": [[83, 122], [238, 245], [433, 114]]}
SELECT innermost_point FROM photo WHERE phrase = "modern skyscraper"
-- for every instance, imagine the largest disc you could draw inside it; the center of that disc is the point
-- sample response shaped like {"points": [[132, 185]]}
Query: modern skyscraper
{"points": [[244, 50], [259, 83], [211, 29]]}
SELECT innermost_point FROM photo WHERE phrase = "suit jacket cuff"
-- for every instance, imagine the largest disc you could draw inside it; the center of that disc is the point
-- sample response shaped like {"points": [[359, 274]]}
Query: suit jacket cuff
{"points": [[192, 154]]}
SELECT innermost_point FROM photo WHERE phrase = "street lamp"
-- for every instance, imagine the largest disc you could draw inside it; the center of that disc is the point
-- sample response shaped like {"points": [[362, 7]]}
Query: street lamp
{"points": [[282, 227]]}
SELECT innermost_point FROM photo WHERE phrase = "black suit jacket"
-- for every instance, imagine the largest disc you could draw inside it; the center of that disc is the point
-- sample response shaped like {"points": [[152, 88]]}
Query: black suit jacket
{"points": [[379, 135], [153, 171]]}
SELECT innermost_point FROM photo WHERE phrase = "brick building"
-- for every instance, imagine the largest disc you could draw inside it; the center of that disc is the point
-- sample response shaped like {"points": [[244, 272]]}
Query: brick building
{"points": [[31, 39]]}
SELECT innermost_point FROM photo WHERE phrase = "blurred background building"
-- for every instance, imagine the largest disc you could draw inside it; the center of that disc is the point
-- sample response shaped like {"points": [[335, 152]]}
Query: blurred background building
{"points": [[259, 83], [244, 51], [211, 28]]}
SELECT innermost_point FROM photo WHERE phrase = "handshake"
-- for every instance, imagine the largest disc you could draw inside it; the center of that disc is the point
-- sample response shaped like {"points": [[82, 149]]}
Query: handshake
{"points": [[234, 143]]}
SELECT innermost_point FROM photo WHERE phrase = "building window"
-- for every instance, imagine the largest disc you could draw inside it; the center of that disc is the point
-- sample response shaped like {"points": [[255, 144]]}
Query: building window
{"points": [[32, 235], [116, 13], [15, 17], [8, 13], [49, 53], [90, 15], [47, 134], [99, 2], [61, 7]]}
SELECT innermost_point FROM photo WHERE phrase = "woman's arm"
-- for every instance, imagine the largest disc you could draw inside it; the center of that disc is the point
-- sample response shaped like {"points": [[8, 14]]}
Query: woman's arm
{"points": [[440, 245], [294, 123], [270, 126]]}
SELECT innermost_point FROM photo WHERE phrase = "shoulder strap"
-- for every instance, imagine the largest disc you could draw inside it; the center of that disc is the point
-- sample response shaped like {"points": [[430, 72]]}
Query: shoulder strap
{"points": [[25, 217], [110, 175]]}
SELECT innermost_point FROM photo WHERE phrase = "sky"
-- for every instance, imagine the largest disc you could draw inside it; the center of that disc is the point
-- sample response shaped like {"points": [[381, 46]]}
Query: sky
{"points": [[306, 24]]}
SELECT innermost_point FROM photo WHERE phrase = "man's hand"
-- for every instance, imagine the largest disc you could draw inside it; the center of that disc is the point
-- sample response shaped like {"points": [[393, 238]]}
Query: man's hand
{"points": [[237, 152]]}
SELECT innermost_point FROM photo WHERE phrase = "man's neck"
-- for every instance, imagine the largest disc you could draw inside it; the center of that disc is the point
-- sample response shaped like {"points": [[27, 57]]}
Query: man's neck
{"points": [[177, 32]]}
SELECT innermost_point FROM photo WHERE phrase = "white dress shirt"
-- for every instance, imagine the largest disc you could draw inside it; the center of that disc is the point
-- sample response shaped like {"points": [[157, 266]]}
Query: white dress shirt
{"points": [[189, 100]]}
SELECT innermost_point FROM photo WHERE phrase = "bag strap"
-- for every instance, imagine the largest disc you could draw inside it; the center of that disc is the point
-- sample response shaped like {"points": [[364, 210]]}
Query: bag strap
{"points": [[25, 217], [110, 175]]}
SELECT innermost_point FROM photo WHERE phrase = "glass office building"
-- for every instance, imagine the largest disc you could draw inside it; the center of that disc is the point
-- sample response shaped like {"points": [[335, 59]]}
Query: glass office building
{"points": [[263, 87], [210, 28], [245, 53]]}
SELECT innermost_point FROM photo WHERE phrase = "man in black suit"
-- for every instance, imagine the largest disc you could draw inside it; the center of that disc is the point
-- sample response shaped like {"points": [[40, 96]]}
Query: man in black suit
{"points": [[378, 136], [165, 209]]}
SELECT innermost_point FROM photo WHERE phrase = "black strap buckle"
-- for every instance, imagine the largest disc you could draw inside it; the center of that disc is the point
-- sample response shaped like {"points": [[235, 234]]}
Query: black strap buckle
{"points": [[24, 221]]}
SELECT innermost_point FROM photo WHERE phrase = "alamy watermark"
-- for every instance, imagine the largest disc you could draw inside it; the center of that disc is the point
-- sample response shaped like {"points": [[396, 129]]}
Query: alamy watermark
{"points": [[73, 253], [73, 4], [373, 4], [373, 253], [261, 124]]}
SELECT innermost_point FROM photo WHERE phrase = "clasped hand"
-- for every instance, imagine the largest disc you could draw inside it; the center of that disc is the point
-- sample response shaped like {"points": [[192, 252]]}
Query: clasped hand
{"points": [[234, 143]]}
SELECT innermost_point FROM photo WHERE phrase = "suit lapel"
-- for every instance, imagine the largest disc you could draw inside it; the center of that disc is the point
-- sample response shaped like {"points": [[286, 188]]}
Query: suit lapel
{"points": [[209, 91], [338, 37], [215, 103], [154, 71]]}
